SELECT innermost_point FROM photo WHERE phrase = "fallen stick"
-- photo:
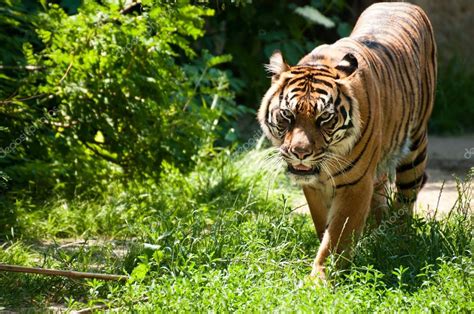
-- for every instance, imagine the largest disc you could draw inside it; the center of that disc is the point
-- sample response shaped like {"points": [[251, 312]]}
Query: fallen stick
{"points": [[63, 273]]}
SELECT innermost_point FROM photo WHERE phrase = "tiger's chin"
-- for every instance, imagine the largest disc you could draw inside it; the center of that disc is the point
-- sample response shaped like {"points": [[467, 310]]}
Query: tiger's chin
{"points": [[304, 177]]}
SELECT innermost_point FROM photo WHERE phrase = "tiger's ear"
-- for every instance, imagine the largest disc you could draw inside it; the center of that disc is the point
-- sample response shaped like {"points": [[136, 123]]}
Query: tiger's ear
{"points": [[347, 66], [276, 66]]}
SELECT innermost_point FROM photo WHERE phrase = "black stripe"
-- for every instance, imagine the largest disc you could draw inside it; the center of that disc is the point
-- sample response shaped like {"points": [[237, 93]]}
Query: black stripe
{"points": [[307, 68], [371, 44], [298, 72], [348, 126], [311, 66], [320, 73], [299, 89], [395, 131], [346, 69], [421, 104], [419, 159], [412, 184], [344, 114], [429, 100], [338, 100], [432, 42], [359, 178], [297, 80], [392, 56], [409, 32], [422, 95], [425, 100], [314, 70], [329, 100], [344, 126], [425, 178], [315, 80], [412, 86], [369, 112], [271, 98], [416, 144], [356, 160], [398, 78], [320, 91]]}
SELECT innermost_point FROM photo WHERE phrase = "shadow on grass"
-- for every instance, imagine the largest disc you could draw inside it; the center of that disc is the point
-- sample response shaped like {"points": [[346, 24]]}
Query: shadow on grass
{"points": [[405, 252]]}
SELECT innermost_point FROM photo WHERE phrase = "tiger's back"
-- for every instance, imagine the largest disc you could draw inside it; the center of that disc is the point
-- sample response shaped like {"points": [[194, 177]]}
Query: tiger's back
{"points": [[400, 37], [395, 48], [352, 116]]}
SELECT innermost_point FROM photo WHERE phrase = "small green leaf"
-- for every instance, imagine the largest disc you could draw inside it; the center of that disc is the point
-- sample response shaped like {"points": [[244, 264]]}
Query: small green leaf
{"points": [[313, 15], [140, 272], [218, 60], [99, 137]]}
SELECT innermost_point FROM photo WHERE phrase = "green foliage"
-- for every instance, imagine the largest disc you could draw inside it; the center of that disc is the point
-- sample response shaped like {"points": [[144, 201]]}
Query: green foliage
{"points": [[117, 94], [17, 22], [454, 105]]}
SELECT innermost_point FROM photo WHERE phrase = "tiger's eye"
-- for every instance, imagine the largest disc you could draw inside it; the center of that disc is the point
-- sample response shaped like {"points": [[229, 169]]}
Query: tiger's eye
{"points": [[325, 115], [286, 113], [285, 116]]}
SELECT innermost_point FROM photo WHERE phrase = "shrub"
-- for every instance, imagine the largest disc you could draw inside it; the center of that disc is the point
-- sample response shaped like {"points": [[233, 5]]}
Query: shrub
{"points": [[117, 92]]}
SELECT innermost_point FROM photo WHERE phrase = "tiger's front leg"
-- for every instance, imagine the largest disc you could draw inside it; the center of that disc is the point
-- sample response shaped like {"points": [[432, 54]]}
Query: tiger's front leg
{"points": [[346, 221], [318, 207]]}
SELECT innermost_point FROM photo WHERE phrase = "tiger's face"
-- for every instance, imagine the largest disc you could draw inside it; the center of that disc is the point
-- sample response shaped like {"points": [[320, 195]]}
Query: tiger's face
{"points": [[309, 113]]}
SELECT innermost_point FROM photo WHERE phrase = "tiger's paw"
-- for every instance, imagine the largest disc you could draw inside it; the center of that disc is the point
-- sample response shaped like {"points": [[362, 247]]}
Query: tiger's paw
{"points": [[318, 276]]}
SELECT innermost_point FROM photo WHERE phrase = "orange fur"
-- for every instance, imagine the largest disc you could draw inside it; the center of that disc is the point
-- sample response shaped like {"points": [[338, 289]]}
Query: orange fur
{"points": [[352, 115]]}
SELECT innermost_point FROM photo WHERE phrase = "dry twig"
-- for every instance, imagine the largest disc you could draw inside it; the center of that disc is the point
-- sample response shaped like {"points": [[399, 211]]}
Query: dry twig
{"points": [[63, 273]]}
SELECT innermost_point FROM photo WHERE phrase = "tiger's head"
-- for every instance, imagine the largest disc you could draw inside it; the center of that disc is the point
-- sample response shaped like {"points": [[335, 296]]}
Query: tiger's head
{"points": [[309, 112]]}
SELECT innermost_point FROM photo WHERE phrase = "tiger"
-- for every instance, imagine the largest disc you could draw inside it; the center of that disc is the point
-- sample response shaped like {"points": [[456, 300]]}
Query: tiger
{"points": [[351, 118]]}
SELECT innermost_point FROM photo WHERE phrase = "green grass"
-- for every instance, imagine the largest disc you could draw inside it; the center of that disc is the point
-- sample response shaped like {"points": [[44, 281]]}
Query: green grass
{"points": [[224, 239]]}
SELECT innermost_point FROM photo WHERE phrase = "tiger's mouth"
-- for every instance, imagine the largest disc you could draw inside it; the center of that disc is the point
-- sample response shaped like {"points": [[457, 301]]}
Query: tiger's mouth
{"points": [[302, 170]]}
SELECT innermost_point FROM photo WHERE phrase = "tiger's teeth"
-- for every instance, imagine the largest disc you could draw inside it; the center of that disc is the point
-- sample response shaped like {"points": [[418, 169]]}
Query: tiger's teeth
{"points": [[301, 167]]}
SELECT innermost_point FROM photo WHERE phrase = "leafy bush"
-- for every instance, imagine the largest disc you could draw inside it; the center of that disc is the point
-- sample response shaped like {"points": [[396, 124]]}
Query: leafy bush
{"points": [[17, 23], [113, 88]]}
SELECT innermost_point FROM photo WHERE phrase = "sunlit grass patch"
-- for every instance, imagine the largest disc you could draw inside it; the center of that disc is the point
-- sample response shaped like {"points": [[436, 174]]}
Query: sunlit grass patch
{"points": [[225, 239]]}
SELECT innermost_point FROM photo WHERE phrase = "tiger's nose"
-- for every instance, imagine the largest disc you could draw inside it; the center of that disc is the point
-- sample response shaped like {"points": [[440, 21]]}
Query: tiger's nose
{"points": [[301, 152]]}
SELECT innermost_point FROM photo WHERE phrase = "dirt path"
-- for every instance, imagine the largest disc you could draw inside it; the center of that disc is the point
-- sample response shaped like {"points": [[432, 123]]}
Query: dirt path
{"points": [[447, 157]]}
